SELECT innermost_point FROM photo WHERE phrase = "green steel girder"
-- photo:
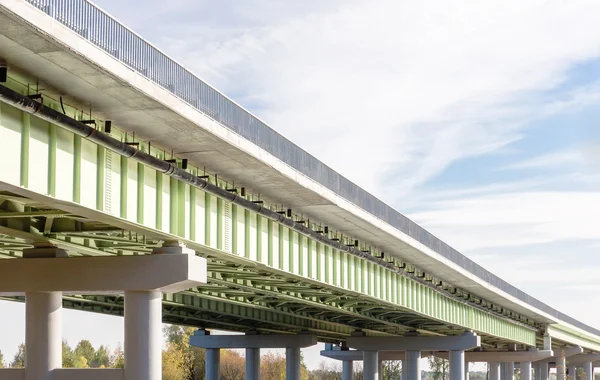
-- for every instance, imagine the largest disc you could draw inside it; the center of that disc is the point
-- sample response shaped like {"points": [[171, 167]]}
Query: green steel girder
{"points": [[241, 246], [92, 189], [257, 286]]}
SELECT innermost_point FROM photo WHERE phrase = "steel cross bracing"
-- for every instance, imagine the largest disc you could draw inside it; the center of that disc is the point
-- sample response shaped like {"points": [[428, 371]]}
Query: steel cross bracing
{"points": [[105, 200], [239, 296]]}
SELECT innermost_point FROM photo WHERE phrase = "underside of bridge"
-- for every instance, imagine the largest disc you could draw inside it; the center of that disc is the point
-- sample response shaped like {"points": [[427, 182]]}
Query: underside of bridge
{"points": [[241, 295]]}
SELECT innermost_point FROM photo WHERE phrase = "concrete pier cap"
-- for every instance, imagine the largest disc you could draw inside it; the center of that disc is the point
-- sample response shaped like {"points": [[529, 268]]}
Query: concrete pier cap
{"points": [[568, 352], [46, 273], [49, 269], [203, 339], [531, 355], [463, 342]]}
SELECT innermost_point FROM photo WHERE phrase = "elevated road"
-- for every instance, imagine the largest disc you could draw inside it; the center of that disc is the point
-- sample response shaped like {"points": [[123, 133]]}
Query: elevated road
{"points": [[112, 148]]}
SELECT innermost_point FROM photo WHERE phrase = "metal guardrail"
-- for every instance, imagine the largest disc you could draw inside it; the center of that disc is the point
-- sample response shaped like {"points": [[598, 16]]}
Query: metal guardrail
{"points": [[111, 36]]}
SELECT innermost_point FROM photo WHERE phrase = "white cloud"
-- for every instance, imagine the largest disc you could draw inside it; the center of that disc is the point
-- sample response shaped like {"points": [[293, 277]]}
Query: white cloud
{"points": [[550, 160], [576, 159], [392, 94], [513, 219]]}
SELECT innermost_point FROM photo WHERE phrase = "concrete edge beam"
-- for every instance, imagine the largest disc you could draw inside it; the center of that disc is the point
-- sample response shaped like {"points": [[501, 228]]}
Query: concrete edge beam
{"points": [[89, 374], [502, 356], [253, 341], [415, 343], [69, 374], [12, 373], [168, 273]]}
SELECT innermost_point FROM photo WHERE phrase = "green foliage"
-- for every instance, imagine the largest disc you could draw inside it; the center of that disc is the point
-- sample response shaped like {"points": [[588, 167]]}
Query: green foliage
{"points": [[2, 364], [174, 366], [68, 356], [19, 359], [180, 360], [272, 367], [117, 359], [85, 349], [101, 358], [233, 365], [439, 368], [326, 372], [392, 369], [188, 361]]}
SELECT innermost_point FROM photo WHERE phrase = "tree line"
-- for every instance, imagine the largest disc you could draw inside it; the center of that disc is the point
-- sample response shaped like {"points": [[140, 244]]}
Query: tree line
{"points": [[84, 355], [180, 361]]}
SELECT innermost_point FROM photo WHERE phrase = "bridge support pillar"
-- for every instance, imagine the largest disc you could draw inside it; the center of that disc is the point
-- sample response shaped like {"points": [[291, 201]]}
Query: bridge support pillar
{"points": [[252, 342], [43, 322], [457, 365], [43, 334], [509, 371], [544, 371], [252, 363], [494, 368], [292, 363], [347, 370], [413, 345], [589, 370], [525, 369], [213, 364], [143, 337], [371, 365], [561, 368], [572, 372], [413, 365]]}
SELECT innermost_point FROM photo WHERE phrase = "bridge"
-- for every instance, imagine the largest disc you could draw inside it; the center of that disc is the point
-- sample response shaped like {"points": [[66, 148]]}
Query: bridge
{"points": [[128, 186]]}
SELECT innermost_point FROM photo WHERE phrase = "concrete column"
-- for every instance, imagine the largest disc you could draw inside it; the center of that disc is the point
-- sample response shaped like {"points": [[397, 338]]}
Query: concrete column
{"points": [[413, 365], [213, 364], [525, 368], [509, 370], [347, 370], [292, 363], [536, 371], [252, 363], [143, 335], [543, 371], [589, 370], [370, 365], [572, 372], [457, 365], [494, 368], [561, 368], [43, 334], [503, 371]]}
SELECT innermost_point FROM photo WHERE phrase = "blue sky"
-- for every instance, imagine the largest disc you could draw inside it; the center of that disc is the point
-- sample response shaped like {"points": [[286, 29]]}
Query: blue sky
{"points": [[477, 119]]}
